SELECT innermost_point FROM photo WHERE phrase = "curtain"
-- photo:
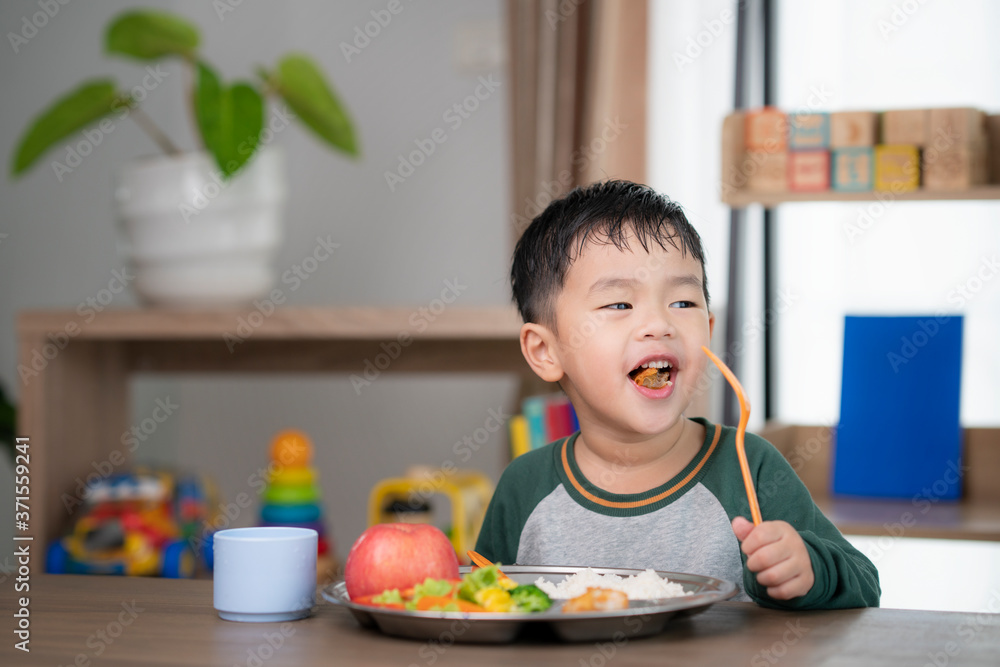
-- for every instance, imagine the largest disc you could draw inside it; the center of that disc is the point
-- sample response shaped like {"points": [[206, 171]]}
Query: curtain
{"points": [[578, 72]]}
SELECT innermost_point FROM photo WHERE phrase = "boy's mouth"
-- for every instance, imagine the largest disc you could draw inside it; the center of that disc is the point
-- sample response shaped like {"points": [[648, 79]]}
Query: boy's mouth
{"points": [[653, 374]]}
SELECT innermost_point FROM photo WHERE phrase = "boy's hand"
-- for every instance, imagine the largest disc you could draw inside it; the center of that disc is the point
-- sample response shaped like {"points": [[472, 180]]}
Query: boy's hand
{"points": [[777, 555]]}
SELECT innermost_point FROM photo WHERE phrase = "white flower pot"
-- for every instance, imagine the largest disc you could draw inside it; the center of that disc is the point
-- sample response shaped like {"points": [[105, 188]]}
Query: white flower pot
{"points": [[196, 240]]}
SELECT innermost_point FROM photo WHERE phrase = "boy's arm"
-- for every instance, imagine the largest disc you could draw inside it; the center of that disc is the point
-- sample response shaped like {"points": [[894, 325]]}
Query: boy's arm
{"points": [[844, 577]]}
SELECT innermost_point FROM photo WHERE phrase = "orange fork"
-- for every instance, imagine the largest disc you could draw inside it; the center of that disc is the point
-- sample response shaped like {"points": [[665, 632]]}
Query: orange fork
{"points": [[741, 451]]}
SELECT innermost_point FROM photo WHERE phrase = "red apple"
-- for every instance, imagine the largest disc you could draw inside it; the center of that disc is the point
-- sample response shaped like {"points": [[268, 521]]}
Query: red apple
{"points": [[398, 555]]}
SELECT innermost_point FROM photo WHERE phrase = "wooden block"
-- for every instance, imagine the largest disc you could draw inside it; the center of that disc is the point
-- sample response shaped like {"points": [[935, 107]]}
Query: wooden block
{"points": [[993, 147], [905, 126], [767, 172], [809, 131], [897, 168], [766, 130], [958, 168], [853, 128], [953, 127], [734, 178], [981, 466], [809, 171], [853, 169]]}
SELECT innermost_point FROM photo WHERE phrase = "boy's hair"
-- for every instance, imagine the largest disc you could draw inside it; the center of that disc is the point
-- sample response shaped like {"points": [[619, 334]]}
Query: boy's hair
{"points": [[604, 212]]}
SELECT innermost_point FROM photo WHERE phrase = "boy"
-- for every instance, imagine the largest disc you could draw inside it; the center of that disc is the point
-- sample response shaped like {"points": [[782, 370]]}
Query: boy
{"points": [[610, 281]]}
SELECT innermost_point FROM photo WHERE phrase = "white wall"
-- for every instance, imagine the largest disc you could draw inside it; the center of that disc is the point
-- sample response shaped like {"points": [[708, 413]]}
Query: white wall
{"points": [[447, 221]]}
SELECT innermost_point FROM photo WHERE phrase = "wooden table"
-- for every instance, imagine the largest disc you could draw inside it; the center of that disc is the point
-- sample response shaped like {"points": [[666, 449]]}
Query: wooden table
{"points": [[86, 620]]}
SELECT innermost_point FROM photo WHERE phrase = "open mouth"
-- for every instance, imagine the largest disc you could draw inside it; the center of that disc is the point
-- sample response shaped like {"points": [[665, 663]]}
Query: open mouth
{"points": [[653, 374]]}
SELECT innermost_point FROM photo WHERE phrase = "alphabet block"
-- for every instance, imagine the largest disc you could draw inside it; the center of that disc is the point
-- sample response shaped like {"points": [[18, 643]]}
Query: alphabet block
{"points": [[809, 131], [956, 127], [958, 168], [853, 128], [767, 172], [853, 169], [993, 145], [809, 171], [766, 130], [897, 168], [905, 126]]}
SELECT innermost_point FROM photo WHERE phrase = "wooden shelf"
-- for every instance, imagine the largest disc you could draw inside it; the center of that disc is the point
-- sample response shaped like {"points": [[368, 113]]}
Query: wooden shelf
{"points": [[744, 198], [965, 520], [74, 403]]}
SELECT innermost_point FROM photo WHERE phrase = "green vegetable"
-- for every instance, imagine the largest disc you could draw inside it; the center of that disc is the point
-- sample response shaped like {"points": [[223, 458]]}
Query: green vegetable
{"points": [[529, 597], [477, 580], [432, 587], [389, 596]]}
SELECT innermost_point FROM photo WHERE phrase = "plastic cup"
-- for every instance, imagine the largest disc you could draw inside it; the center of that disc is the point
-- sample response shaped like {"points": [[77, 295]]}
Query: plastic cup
{"points": [[265, 574]]}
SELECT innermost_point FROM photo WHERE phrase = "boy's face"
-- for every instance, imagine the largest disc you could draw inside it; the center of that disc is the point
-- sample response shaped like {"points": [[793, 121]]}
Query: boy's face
{"points": [[618, 310]]}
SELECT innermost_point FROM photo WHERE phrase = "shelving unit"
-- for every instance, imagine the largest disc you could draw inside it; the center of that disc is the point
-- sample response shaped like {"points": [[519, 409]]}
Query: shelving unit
{"points": [[744, 198], [74, 403]]}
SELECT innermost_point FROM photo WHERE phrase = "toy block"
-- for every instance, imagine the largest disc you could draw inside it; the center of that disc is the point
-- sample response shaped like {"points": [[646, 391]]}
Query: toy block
{"points": [[897, 168], [809, 131], [955, 127], [853, 128], [733, 178], [766, 172], [905, 126], [765, 130], [809, 171], [852, 169], [993, 147], [958, 168]]}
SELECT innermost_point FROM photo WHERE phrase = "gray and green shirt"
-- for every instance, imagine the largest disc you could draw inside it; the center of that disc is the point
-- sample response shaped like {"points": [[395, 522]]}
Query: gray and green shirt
{"points": [[545, 512]]}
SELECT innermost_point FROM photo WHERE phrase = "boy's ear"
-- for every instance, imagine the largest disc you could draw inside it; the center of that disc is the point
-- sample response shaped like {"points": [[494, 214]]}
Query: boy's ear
{"points": [[539, 350], [711, 325]]}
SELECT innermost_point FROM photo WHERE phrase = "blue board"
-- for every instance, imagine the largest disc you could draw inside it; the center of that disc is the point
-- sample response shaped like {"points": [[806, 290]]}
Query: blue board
{"points": [[899, 434]]}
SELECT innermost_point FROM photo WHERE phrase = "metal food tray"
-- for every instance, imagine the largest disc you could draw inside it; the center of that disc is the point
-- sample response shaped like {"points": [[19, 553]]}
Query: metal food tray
{"points": [[641, 619]]}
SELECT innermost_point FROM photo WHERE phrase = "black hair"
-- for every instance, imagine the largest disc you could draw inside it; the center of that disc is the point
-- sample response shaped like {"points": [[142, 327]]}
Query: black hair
{"points": [[603, 212]]}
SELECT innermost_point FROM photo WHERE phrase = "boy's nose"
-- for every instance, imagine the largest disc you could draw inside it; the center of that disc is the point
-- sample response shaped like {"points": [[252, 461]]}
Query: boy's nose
{"points": [[657, 324]]}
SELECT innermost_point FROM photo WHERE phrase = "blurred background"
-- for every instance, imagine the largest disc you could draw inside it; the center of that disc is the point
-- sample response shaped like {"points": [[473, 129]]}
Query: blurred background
{"points": [[454, 218]]}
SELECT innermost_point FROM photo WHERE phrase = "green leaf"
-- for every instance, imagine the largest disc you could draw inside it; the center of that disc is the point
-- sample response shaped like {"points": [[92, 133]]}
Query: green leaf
{"points": [[89, 102], [230, 119], [148, 35], [302, 85]]}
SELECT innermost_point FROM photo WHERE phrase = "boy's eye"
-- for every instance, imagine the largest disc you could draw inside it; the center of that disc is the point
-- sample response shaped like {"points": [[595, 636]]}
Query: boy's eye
{"points": [[618, 306], [683, 304]]}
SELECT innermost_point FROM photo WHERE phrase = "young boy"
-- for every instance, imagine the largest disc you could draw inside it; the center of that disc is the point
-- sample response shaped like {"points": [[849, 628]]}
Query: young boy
{"points": [[610, 281]]}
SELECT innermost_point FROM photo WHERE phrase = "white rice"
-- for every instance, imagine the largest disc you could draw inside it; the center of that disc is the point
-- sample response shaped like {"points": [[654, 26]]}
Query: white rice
{"points": [[644, 586]]}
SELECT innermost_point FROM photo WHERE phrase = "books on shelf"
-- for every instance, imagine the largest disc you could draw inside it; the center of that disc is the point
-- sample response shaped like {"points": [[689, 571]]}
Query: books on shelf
{"points": [[543, 418]]}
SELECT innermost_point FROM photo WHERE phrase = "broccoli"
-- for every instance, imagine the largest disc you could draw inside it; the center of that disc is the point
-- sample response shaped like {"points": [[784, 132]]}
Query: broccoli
{"points": [[529, 597]]}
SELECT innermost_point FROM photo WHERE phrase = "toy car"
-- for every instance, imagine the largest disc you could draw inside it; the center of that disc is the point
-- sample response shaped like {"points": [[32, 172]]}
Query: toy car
{"points": [[135, 524]]}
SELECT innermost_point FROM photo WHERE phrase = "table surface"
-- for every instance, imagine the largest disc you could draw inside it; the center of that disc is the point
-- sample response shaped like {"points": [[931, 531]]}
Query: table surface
{"points": [[97, 620]]}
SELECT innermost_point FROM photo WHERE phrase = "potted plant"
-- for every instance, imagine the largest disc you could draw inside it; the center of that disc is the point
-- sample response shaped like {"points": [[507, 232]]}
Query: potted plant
{"points": [[200, 228]]}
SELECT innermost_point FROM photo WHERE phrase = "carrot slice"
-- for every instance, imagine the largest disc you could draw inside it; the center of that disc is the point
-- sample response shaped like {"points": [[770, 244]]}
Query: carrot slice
{"points": [[369, 600]]}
